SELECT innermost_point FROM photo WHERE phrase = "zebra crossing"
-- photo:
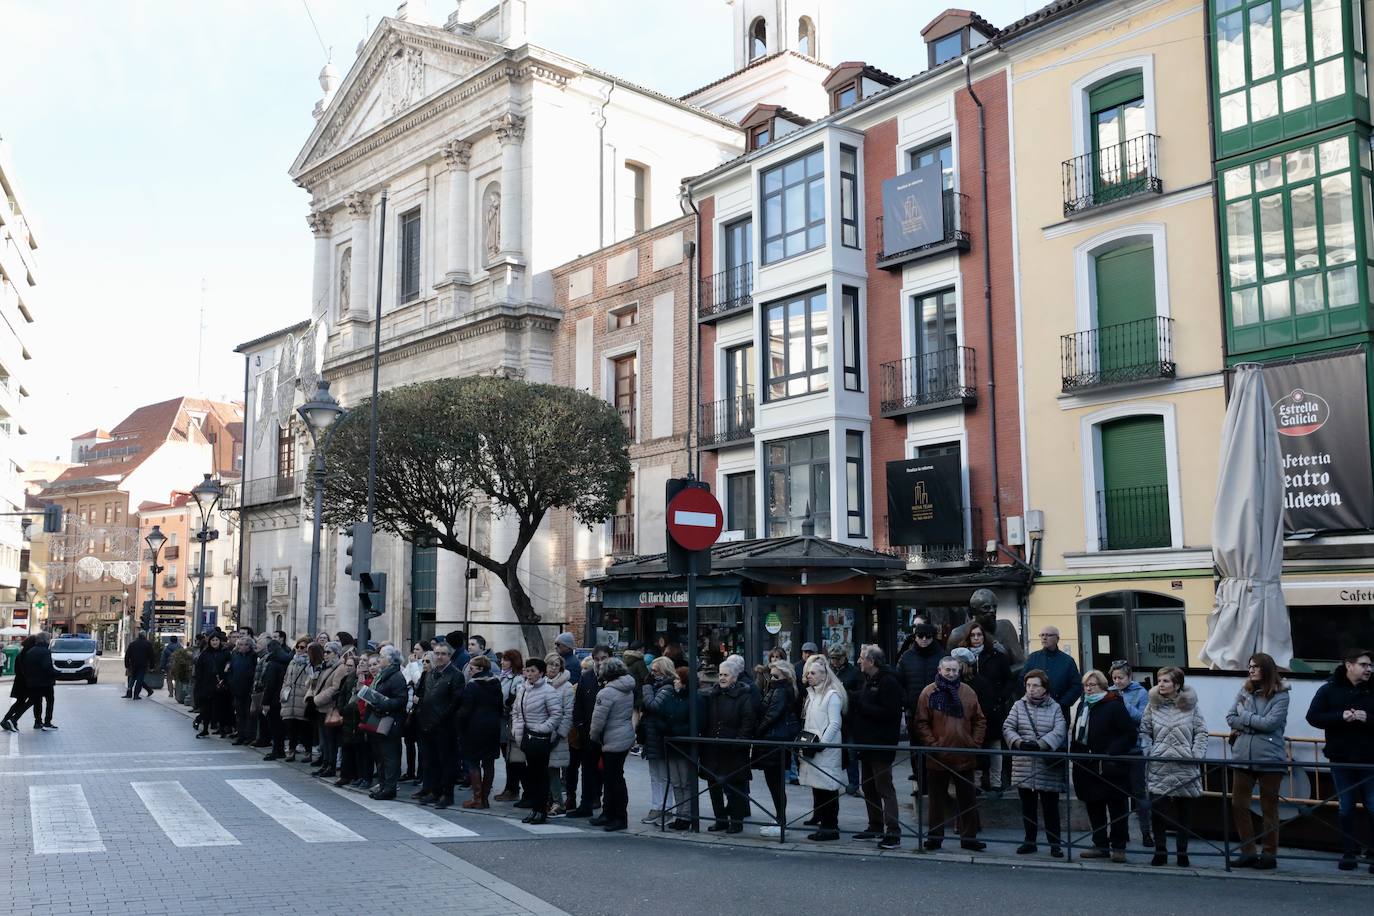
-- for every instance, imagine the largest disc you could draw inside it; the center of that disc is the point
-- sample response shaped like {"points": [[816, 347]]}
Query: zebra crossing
{"points": [[62, 820]]}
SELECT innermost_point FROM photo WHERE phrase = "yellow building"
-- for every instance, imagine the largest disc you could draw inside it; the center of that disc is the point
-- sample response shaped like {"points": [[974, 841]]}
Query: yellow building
{"points": [[1121, 345]]}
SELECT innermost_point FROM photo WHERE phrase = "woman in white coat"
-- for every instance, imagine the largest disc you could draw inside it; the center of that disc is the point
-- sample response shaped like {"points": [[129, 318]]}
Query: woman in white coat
{"points": [[823, 770]]}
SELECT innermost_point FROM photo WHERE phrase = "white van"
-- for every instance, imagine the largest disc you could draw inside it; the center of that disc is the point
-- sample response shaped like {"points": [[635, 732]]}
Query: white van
{"points": [[74, 657]]}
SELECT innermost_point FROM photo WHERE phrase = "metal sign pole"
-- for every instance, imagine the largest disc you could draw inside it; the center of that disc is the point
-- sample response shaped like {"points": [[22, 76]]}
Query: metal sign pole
{"points": [[693, 726]]}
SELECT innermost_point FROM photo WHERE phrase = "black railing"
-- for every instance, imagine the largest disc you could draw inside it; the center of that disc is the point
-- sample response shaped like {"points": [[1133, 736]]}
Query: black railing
{"points": [[1133, 518], [727, 291], [1112, 174], [928, 379], [622, 535], [966, 552], [955, 207], [727, 420], [269, 489], [1118, 354]]}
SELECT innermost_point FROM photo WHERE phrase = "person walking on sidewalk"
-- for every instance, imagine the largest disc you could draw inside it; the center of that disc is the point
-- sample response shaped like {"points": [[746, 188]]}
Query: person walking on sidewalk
{"points": [[1036, 723], [877, 720], [1257, 722], [39, 677], [19, 690], [948, 716], [165, 663], [1344, 709], [137, 657]]}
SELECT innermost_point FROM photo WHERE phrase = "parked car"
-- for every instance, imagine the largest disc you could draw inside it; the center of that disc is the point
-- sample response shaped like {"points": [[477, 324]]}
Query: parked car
{"points": [[74, 657]]}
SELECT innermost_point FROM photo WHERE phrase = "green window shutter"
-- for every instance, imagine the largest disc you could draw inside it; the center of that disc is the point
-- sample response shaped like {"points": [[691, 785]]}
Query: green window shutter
{"points": [[1119, 91], [1127, 342], [1133, 505]]}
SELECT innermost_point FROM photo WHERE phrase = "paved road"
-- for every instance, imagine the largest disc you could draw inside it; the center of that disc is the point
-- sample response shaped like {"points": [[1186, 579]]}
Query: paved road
{"points": [[123, 810]]}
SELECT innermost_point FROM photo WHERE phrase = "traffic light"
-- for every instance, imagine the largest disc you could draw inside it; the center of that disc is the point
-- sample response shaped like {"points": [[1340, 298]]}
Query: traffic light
{"points": [[146, 623], [372, 593], [359, 550], [52, 519]]}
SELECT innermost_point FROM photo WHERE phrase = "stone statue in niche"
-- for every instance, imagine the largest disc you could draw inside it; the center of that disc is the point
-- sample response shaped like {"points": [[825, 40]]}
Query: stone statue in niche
{"points": [[345, 279], [491, 217]]}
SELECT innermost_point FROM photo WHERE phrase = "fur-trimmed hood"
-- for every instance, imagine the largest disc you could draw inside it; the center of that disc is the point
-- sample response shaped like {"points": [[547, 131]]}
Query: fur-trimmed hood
{"points": [[1185, 699]]}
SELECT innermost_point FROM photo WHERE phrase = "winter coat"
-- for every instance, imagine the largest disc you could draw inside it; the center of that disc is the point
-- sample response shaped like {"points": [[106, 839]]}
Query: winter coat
{"points": [[1346, 742], [327, 689], [209, 673], [878, 712], [670, 707], [1257, 723], [653, 722], [437, 708], [20, 688], [348, 709], [1177, 732], [612, 724], [1044, 724], [274, 672], [853, 680], [479, 718], [824, 719], [538, 708], [510, 683], [1136, 698], [939, 729], [560, 757], [138, 654], [635, 664], [296, 686], [39, 673], [1105, 728], [731, 712], [391, 684], [242, 666], [776, 720], [1066, 683], [584, 700], [993, 669], [916, 670]]}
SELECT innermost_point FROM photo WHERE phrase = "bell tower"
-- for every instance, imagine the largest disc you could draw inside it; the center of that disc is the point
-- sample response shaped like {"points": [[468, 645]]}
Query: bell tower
{"points": [[764, 27]]}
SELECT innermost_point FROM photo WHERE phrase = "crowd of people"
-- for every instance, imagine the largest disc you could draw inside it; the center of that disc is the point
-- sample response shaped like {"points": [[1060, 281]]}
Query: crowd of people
{"points": [[565, 724]]}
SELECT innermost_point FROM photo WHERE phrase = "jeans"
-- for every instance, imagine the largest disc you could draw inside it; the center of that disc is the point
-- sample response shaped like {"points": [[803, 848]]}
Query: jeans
{"points": [[683, 777], [1117, 834], [1242, 788], [387, 749], [135, 680], [1181, 809], [1353, 786], [659, 797], [615, 794], [880, 795], [1049, 803], [329, 745], [965, 816]]}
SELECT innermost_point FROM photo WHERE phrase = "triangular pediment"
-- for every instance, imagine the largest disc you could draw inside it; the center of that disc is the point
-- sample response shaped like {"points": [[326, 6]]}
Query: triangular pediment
{"points": [[401, 65]]}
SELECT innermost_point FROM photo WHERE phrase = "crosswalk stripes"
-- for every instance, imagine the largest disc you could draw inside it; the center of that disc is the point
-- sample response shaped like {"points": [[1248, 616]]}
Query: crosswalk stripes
{"points": [[62, 821], [309, 824], [546, 829], [422, 821], [181, 817]]}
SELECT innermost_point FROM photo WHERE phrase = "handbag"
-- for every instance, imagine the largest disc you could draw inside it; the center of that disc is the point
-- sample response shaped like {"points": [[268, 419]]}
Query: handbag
{"points": [[574, 738], [333, 718], [805, 738], [536, 744], [378, 723]]}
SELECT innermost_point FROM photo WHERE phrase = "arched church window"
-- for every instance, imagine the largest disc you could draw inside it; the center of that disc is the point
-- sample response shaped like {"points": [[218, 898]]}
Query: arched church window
{"points": [[806, 36], [758, 39]]}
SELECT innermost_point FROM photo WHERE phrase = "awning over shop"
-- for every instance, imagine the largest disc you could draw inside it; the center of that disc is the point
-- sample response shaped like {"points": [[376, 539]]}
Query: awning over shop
{"points": [[772, 560]]}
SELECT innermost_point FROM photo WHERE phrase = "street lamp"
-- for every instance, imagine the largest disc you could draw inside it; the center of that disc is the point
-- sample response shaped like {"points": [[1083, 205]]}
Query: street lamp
{"points": [[207, 495], [154, 540], [319, 414]]}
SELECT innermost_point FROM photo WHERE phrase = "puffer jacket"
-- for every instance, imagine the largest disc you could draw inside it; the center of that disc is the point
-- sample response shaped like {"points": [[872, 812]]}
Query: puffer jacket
{"points": [[613, 717], [298, 684], [538, 707], [1044, 724], [654, 722], [1346, 742], [823, 718], [327, 691], [1258, 723], [916, 669], [565, 687], [1177, 732]]}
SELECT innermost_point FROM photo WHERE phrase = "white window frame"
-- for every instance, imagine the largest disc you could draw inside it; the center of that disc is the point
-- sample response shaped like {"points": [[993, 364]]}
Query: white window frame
{"points": [[1090, 435], [1078, 97], [1085, 260]]}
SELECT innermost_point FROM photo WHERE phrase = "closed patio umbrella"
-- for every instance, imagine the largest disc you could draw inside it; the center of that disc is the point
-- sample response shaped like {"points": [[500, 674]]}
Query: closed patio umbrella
{"points": [[1249, 614]]}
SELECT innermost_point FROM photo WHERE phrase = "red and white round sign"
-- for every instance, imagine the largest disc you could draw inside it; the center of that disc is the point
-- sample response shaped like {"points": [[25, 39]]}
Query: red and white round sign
{"points": [[695, 519]]}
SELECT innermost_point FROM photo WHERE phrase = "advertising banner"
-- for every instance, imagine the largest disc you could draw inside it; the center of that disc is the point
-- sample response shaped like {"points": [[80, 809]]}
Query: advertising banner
{"points": [[1321, 411], [913, 209], [925, 501]]}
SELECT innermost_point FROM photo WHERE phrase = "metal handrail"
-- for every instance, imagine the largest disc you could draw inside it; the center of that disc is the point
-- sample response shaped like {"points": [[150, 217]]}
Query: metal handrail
{"points": [[727, 420], [1133, 518], [1113, 173], [622, 535], [928, 378], [1118, 354], [728, 290]]}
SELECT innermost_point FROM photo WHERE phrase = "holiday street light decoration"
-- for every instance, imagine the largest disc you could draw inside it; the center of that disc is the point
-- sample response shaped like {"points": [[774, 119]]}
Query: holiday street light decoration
{"points": [[73, 550]]}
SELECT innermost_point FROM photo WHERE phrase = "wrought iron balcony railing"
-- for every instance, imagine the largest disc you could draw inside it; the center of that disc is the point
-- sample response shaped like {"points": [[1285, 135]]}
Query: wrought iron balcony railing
{"points": [[1112, 174], [955, 235], [927, 381], [727, 292], [727, 420], [622, 535], [1133, 518], [273, 488], [944, 556], [1118, 354]]}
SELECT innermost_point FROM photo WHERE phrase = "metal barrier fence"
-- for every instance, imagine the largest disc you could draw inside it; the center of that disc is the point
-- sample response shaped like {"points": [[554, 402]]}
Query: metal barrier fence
{"points": [[1214, 776]]}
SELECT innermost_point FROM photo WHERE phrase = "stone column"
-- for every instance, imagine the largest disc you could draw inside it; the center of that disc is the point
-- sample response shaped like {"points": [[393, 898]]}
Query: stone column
{"points": [[457, 154], [510, 130], [360, 209], [319, 222]]}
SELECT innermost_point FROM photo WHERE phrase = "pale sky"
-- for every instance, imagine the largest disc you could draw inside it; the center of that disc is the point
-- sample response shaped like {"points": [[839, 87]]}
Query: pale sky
{"points": [[151, 138]]}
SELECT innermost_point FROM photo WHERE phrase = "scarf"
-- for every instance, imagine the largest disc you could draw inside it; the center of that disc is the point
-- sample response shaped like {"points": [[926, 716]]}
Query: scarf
{"points": [[1081, 729], [945, 697], [977, 650]]}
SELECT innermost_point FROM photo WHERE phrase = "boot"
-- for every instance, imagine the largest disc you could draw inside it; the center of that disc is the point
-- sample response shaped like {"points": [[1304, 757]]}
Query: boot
{"points": [[475, 802]]}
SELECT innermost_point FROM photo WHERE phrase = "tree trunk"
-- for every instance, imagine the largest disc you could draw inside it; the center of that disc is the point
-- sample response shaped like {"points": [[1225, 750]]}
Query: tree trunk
{"points": [[524, 612]]}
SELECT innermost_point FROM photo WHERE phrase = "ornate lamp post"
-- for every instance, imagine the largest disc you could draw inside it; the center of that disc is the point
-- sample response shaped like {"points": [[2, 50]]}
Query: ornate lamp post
{"points": [[154, 540], [319, 414], [207, 495]]}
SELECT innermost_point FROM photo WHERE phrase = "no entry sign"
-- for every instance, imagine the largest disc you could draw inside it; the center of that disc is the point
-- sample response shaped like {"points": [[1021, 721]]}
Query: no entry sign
{"points": [[695, 519]]}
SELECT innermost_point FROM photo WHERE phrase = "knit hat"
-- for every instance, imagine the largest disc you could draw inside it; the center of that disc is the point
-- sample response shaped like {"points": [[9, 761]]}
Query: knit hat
{"points": [[565, 639], [964, 655], [810, 647]]}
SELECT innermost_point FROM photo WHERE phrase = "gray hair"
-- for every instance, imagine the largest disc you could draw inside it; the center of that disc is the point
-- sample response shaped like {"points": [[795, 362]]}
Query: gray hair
{"points": [[613, 668], [951, 658], [874, 654], [733, 666], [392, 654], [440, 647], [334, 646], [243, 641]]}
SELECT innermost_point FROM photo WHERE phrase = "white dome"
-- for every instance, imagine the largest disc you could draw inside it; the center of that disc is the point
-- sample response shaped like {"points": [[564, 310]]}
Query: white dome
{"points": [[329, 79]]}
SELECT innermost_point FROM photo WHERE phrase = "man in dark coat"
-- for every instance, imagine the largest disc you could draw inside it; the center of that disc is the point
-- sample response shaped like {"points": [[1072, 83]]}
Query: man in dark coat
{"points": [[274, 673], [586, 757], [877, 720], [243, 664], [165, 663], [19, 689], [1066, 683], [436, 716], [1344, 708], [137, 658], [36, 669], [916, 671]]}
